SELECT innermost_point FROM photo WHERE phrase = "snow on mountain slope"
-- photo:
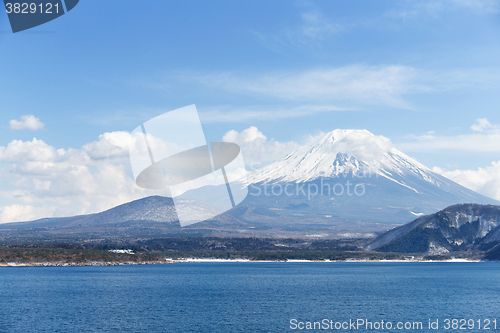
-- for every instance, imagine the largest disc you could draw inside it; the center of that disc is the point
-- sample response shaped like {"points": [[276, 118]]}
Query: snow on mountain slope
{"points": [[359, 154], [456, 228], [340, 152]]}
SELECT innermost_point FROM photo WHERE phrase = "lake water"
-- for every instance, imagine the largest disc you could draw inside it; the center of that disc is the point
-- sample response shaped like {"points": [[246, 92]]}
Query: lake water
{"points": [[249, 297]]}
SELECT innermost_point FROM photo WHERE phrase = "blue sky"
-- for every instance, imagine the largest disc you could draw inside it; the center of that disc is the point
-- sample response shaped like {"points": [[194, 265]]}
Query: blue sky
{"points": [[420, 73]]}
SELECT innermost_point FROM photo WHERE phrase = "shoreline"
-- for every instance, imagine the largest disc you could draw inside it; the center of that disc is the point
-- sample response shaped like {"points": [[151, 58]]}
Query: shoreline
{"points": [[214, 260], [203, 260], [89, 264]]}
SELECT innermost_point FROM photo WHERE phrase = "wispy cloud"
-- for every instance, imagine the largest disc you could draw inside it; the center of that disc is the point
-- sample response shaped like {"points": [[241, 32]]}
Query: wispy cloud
{"points": [[368, 84], [238, 114], [478, 5], [292, 94], [484, 138], [312, 29], [411, 10], [356, 84]]}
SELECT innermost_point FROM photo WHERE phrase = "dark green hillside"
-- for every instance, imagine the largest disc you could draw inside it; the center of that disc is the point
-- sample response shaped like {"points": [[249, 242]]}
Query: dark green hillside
{"points": [[72, 256]]}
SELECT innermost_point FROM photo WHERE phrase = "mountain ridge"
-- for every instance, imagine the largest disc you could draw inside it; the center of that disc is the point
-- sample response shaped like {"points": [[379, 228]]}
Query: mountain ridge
{"points": [[369, 185], [397, 187], [320, 158], [461, 227]]}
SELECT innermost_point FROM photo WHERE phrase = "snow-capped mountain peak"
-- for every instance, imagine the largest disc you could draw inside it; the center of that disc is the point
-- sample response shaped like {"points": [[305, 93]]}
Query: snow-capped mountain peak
{"points": [[341, 152], [315, 179]]}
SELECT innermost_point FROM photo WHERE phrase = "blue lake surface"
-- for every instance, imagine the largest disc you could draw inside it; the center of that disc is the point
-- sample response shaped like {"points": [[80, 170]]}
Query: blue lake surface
{"points": [[246, 297]]}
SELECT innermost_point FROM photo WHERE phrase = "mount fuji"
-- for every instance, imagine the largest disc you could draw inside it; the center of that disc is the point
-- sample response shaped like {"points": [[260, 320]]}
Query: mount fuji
{"points": [[345, 182]]}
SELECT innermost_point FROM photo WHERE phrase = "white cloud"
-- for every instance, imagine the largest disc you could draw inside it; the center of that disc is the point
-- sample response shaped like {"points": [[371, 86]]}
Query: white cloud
{"points": [[21, 213], [485, 181], [482, 125], [23, 151], [108, 145], [256, 148], [39, 180], [485, 138], [29, 122], [488, 142]]}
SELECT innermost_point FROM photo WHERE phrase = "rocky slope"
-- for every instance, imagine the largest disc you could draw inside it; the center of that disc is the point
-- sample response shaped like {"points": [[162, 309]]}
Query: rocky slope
{"points": [[463, 227]]}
